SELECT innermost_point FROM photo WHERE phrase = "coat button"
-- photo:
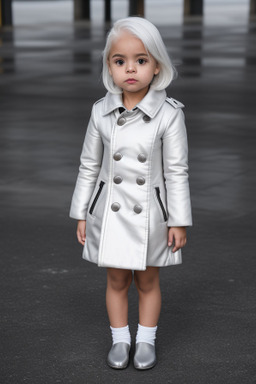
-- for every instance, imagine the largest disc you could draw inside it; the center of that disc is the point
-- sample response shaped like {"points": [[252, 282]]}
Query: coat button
{"points": [[137, 208], [146, 118], [115, 207], [121, 121], [142, 158], [118, 179], [140, 180], [117, 156]]}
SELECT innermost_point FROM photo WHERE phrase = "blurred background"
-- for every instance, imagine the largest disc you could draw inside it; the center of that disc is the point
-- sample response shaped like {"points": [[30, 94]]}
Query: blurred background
{"points": [[215, 12], [54, 327]]}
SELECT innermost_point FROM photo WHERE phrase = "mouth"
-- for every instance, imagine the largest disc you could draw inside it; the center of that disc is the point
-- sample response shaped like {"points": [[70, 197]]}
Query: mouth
{"points": [[131, 81]]}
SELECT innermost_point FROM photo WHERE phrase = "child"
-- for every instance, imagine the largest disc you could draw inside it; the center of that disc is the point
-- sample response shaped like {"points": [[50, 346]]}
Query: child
{"points": [[132, 198]]}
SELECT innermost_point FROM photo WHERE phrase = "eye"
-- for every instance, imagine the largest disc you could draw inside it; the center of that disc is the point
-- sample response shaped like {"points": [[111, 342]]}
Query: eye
{"points": [[142, 61], [119, 62]]}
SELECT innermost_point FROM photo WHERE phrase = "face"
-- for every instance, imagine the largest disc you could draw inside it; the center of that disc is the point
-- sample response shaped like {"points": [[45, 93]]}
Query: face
{"points": [[130, 65]]}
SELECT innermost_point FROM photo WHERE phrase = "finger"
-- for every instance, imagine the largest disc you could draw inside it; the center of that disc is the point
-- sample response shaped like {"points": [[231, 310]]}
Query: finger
{"points": [[81, 241], [80, 237], [177, 245], [175, 249], [180, 243], [84, 234], [183, 242], [170, 238]]}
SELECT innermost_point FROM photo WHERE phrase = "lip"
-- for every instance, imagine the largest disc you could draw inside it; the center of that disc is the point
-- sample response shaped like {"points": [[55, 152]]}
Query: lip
{"points": [[131, 81]]}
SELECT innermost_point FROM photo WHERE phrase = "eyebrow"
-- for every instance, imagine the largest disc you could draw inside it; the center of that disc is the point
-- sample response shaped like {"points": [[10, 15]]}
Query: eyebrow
{"points": [[120, 55]]}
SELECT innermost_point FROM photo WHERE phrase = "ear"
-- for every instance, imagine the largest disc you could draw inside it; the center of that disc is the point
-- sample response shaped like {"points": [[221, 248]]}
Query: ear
{"points": [[157, 70]]}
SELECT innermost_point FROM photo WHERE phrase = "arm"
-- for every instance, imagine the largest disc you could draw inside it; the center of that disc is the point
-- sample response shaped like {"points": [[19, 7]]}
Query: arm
{"points": [[89, 169], [175, 164], [175, 160]]}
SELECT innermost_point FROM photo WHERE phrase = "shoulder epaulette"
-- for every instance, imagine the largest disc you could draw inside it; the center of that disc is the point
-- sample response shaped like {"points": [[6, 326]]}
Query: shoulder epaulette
{"points": [[174, 103]]}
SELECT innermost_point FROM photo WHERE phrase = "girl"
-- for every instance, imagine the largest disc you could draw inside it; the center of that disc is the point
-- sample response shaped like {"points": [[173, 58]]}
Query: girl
{"points": [[132, 198]]}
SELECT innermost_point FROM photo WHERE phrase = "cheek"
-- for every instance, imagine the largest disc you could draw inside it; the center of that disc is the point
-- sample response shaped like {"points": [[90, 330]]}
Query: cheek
{"points": [[117, 75], [109, 69]]}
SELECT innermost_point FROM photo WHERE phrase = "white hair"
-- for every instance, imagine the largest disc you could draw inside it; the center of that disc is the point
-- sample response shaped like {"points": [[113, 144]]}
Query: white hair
{"points": [[152, 40]]}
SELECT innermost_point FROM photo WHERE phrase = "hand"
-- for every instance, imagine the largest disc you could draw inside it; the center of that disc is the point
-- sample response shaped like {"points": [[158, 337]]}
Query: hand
{"points": [[178, 237], [81, 231]]}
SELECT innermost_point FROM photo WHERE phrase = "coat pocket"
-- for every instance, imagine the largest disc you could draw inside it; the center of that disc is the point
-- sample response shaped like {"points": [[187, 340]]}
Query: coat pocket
{"points": [[96, 197], [157, 189]]}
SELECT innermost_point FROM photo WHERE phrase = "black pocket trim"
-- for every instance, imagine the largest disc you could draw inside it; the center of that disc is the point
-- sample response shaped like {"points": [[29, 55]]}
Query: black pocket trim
{"points": [[161, 203], [96, 197]]}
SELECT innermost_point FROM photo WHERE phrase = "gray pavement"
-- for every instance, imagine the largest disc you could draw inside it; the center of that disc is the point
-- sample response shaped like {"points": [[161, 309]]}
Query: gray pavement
{"points": [[54, 327]]}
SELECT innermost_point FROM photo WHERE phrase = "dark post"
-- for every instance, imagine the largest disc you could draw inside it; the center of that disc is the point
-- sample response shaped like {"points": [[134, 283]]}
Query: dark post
{"points": [[82, 9], [5, 12], [193, 7], [136, 7], [253, 7], [107, 10]]}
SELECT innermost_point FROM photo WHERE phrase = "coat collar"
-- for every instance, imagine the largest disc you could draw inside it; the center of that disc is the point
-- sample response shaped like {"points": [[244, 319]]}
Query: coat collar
{"points": [[150, 104]]}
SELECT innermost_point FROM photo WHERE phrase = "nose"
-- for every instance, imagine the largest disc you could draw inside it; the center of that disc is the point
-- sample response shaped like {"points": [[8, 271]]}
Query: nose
{"points": [[130, 68]]}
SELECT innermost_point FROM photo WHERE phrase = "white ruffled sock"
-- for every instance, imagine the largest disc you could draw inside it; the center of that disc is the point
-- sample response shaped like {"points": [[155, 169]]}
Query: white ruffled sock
{"points": [[146, 334], [121, 335]]}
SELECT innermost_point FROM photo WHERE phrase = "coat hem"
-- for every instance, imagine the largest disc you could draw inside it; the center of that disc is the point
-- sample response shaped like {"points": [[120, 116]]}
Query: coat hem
{"points": [[132, 269]]}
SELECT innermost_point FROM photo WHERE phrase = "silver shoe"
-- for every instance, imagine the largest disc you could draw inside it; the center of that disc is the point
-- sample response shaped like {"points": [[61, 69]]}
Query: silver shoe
{"points": [[118, 357], [145, 356]]}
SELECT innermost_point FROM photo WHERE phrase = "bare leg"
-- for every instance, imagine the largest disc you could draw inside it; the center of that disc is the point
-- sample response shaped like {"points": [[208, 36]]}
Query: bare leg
{"points": [[147, 283], [118, 283]]}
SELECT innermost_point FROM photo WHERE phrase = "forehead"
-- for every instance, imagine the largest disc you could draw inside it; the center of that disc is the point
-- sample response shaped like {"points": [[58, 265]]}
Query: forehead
{"points": [[127, 42]]}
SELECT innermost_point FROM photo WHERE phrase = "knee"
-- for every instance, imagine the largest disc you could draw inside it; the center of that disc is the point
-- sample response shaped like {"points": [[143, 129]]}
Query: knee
{"points": [[119, 282], [146, 285]]}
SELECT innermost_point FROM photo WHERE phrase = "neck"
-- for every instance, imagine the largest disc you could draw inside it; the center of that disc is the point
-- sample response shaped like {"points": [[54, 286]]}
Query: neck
{"points": [[131, 99]]}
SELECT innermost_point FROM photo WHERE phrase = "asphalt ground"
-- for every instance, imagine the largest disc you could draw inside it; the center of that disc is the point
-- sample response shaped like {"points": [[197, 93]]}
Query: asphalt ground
{"points": [[54, 326]]}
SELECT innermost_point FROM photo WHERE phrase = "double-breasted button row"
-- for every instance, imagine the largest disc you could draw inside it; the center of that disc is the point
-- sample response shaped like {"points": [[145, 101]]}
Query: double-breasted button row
{"points": [[116, 206], [118, 180], [142, 158], [122, 120]]}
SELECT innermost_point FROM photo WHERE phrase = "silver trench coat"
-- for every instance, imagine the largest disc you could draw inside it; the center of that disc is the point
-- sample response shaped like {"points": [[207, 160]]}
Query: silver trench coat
{"points": [[133, 182]]}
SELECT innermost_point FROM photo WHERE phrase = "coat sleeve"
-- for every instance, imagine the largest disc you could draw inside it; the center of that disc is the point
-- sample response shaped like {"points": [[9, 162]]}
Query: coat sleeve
{"points": [[90, 163], [175, 164]]}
